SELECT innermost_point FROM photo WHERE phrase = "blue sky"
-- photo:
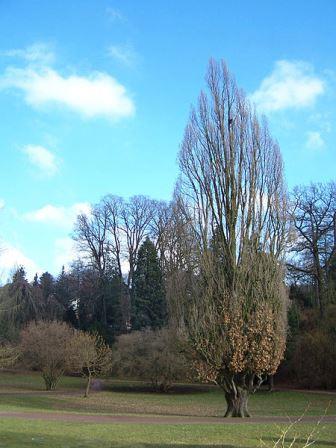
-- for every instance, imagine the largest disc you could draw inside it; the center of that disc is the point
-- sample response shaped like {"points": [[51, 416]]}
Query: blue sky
{"points": [[94, 97]]}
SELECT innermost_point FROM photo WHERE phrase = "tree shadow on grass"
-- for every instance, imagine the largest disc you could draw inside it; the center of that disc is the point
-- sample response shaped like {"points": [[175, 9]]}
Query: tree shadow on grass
{"points": [[30, 440], [178, 389], [29, 401]]}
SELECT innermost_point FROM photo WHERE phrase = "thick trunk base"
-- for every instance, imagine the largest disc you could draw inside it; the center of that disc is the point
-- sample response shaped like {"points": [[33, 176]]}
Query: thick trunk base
{"points": [[237, 404]]}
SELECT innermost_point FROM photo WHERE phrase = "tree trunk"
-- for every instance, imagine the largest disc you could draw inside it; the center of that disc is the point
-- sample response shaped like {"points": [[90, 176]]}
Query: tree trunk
{"points": [[50, 382], [270, 383], [320, 288], [126, 309], [237, 403], [101, 289], [88, 385]]}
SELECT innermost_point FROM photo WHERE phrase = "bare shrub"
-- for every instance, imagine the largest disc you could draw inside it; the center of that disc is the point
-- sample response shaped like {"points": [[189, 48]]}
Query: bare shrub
{"points": [[8, 355], [47, 347], [91, 357], [155, 356]]}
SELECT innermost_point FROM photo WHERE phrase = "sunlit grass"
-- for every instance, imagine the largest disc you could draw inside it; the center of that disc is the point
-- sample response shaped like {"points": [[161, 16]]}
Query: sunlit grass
{"points": [[27, 434], [26, 392]]}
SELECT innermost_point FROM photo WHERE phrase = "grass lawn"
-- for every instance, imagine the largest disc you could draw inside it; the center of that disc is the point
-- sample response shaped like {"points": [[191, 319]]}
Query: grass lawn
{"points": [[27, 434], [24, 392]]}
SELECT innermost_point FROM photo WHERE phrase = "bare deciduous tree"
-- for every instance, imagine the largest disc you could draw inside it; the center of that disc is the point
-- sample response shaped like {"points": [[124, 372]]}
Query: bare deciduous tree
{"points": [[137, 216], [233, 203], [160, 230], [313, 216], [114, 206], [91, 235], [110, 237]]}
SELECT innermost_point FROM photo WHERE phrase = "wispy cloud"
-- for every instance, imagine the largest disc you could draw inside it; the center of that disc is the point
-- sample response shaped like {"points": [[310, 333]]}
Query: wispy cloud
{"points": [[314, 140], [114, 14], [123, 53], [58, 215], [323, 120], [2, 203], [39, 53], [292, 84], [41, 158]]}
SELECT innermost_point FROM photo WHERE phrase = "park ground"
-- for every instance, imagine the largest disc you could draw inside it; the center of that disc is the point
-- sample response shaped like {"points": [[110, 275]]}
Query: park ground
{"points": [[126, 414]]}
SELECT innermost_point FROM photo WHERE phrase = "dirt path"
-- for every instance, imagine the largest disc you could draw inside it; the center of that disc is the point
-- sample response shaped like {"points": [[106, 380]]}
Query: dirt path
{"points": [[138, 419], [79, 392]]}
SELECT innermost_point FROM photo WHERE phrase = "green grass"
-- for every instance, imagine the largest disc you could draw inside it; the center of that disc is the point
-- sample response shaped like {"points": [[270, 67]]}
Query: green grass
{"points": [[27, 434], [30, 381], [25, 392]]}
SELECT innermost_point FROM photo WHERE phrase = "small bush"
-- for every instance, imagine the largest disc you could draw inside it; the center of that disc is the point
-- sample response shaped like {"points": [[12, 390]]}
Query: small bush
{"points": [[155, 356], [47, 348]]}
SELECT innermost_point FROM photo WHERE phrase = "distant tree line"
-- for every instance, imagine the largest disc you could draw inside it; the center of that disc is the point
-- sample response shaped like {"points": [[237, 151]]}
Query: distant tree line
{"points": [[95, 294], [311, 278]]}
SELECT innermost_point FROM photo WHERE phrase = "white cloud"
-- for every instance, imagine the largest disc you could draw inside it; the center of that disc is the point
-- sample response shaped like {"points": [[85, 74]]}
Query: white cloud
{"points": [[292, 84], [123, 53], [42, 158], [39, 53], [65, 253], [59, 216], [314, 140], [2, 203], [12, 257], [95, 95]]}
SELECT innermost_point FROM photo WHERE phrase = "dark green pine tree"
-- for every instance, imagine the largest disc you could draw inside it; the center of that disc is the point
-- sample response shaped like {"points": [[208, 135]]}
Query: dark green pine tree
{"points": [[65, 294], [47, 286], [149, 307], [52, 308]]}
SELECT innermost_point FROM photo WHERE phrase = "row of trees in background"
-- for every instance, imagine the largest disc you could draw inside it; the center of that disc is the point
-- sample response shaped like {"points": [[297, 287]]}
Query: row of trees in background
{"points": [[88, 300], [313, 252], [199, 283], [124, 240], [311, 263]]}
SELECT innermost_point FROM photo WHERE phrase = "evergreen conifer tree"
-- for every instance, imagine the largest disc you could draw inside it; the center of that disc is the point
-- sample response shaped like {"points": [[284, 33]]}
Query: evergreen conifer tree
{"points": [[149, 308]]}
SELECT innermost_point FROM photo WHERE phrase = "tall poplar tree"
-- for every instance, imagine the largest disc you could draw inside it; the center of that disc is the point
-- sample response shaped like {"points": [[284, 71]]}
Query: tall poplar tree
{"points": [[231, 202]]}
